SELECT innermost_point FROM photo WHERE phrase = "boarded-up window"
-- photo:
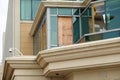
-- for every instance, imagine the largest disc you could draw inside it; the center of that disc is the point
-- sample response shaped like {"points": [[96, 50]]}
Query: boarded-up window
{"points": [[65, 34]]}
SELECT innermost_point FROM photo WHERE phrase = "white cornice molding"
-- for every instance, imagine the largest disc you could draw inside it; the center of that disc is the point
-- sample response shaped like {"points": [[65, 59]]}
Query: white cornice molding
{"points": [[23, 62], [91, 51], [81, 50]]}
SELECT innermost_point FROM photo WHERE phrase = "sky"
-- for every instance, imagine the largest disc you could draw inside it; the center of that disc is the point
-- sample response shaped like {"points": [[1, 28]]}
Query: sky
{"points": [[3, 16]]}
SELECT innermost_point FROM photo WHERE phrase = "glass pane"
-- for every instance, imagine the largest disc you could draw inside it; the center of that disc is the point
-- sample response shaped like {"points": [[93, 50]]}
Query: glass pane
{"points": [[85, 25], [89, 12], [113, 13], [85, 13], [64, 11], [76, 12], [37, 41], [53, 10], [101, 36], [76, 29], [99, 17], [54, 30], [34, 44], [111, 34], [25, 9], [35, 6], [93, 37]]}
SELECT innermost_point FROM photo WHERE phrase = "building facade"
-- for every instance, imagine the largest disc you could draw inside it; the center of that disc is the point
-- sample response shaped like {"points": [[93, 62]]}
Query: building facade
{"points": [[62, 40]]}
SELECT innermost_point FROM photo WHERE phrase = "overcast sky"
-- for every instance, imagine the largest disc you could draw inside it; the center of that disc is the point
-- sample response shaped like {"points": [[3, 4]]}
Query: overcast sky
{"points": [[3, 16]]}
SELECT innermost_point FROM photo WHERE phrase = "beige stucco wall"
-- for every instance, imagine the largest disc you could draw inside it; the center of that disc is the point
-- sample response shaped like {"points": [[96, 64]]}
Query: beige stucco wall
{"points": [[26, 41], [87, 74], [30, 78], [100, 74]]}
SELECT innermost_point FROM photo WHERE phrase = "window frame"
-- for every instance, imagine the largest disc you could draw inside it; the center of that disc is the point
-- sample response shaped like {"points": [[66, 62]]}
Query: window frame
{"points": [[31, 14]]}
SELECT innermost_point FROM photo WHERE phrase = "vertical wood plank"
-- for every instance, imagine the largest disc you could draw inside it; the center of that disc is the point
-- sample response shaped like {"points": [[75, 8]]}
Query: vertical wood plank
{"points": [[65, 34]]}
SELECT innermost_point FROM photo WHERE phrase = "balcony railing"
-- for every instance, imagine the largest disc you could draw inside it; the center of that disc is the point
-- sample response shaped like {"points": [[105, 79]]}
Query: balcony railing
{"points": [[100, 35]]}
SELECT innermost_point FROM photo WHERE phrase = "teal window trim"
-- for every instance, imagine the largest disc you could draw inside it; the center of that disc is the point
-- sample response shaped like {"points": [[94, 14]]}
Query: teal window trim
{"points": [[56, 13]]}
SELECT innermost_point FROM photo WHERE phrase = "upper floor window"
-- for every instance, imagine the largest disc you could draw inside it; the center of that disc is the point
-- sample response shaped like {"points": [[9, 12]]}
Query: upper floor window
{"points": [[28, 9]]}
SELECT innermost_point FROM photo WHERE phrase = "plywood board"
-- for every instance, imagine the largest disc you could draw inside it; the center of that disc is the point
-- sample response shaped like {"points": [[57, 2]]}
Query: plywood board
{"points": [[65, 34]]}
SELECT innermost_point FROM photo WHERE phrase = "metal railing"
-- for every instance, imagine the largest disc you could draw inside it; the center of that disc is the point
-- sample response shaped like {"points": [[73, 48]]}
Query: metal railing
{"points": [[100, 35]]}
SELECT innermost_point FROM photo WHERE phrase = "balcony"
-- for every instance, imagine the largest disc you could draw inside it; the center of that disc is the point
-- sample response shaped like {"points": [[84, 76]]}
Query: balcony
{"points": [[103, 23], [94, 22]]}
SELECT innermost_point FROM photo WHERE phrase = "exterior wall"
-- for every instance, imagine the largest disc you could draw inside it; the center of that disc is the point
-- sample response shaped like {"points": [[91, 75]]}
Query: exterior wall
{"points": [[1, 72], [101, 74], [69, 77], [12, 33], [8, 36], [30, 78], [26, 41], [56, 78], [16, 23]]}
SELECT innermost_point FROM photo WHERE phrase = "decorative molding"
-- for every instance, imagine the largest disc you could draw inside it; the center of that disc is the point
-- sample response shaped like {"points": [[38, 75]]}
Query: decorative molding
{"points": [[67, 59], [23, 62], [81, 50], [40, 60], [55, 60]]}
